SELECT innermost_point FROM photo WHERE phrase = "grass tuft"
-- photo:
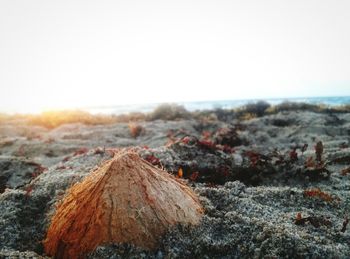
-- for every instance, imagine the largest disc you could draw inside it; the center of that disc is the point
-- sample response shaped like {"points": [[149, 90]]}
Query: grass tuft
{"points": [[53, 119]]}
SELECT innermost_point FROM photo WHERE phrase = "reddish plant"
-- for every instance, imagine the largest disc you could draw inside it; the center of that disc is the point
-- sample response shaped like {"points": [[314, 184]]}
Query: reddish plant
{"points": [[66, 159], [310, 163], [194, 176], [135, 130], [186, 140], [253, 156], [207, 144], [225, 171], [38, 171], [299, 219], [81, 151], [345, 171], [313, 220], [153, 160], [225, 148], [293, 155], [206, 135], [316, 192], [319, 151]]}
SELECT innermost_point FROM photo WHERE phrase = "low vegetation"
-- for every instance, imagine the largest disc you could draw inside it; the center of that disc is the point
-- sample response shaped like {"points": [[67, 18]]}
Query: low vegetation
{"points": [[53, 119], [257, 109], [297, 106], [135, 130], [169, 112]]}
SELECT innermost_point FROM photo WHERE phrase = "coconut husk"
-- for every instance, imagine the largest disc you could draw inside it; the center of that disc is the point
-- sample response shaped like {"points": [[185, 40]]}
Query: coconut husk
{"points": [[127, 200]]}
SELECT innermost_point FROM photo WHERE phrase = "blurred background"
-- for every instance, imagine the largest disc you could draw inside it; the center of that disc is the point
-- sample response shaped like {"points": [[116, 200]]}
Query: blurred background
{"points": [[120, 56]]}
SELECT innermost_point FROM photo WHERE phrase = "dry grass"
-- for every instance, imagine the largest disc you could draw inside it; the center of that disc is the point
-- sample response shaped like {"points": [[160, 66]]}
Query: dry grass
{"points": [[53, 119], [133, 116], [6, 118], [3, 117]]}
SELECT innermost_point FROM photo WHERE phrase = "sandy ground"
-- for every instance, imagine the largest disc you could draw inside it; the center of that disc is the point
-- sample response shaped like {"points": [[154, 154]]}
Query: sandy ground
{"points": [[250, 182]]}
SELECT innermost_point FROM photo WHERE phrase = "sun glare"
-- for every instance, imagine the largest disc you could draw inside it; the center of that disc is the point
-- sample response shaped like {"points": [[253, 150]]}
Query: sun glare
{"points": [[55, 57]]}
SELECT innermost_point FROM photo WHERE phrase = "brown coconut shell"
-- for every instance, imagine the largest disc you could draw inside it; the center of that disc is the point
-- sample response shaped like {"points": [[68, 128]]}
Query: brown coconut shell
{"points": [[127, 200]]}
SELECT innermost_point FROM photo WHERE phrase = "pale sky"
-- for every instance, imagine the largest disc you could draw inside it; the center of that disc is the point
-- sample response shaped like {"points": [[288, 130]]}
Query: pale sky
{"points": [[66, 54]]}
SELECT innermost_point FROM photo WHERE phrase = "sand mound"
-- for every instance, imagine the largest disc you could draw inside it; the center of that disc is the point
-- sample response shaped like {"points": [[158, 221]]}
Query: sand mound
{"points": [[126, 200]]}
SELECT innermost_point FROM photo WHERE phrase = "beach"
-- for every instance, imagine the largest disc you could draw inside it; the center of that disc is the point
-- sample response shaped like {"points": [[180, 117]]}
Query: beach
{"points": [[274, 181]]}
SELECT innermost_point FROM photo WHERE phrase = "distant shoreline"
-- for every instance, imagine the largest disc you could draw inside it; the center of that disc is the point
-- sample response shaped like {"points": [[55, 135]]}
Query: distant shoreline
{"points": [[200, 105], [171, 112], [332, 101], [221, 104]]}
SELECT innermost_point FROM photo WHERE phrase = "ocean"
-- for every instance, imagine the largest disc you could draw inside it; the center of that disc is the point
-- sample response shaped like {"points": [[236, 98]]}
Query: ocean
{"points": [[223, 104]]}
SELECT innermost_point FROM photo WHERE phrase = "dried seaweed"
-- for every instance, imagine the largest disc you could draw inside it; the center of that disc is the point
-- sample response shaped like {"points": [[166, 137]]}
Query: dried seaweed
{"points": [[135, 130], [345, 171], [316, 192], [316, 221]]}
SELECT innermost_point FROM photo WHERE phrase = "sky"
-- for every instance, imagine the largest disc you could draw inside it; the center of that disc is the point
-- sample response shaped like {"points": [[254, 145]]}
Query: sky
{"points": [[69, 54]]}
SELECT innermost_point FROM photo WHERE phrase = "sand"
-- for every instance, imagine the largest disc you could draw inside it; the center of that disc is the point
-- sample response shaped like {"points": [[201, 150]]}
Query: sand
{"points": [[251, 187]]}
